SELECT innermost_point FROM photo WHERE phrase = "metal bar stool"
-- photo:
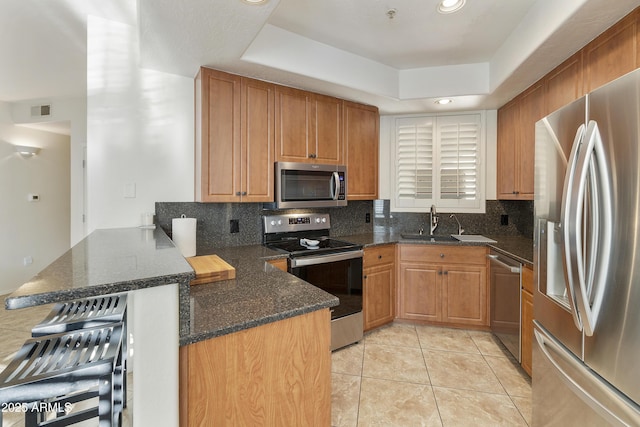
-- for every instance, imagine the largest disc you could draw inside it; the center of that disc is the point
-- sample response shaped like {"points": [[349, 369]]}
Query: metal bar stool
{"points": [[54, 370], [87, 313], [81, 314]]}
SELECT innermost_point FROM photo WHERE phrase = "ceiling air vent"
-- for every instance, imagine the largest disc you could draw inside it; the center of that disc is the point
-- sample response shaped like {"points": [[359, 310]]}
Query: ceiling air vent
{"points": [[41, 111]]}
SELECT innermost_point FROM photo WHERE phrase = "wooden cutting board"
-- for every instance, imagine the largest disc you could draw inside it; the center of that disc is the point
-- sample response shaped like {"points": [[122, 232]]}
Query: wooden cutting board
{"points": [[210, 268]]}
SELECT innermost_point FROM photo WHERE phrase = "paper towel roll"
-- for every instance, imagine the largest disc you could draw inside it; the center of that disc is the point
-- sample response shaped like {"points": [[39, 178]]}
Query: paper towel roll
{"points": [[184, 235]]}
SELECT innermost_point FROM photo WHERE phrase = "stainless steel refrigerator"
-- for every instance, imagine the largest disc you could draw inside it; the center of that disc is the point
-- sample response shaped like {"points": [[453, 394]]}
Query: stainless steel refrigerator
{"points": [[586, 360]]}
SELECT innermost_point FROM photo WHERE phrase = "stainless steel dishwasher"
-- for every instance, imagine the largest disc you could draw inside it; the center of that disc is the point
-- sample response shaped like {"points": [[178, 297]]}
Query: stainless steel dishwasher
{"points": [[505, 294]]}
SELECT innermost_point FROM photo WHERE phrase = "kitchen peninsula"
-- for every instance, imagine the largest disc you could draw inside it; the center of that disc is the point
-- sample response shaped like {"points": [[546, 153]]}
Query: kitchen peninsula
{"points": [[164, 315]]}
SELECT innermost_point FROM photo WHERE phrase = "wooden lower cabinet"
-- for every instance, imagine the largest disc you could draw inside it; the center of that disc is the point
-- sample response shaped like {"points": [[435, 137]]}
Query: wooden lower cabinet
{"points": [[280, 263], [443, 284], [526, 331], [273, 374], [379, 286]]}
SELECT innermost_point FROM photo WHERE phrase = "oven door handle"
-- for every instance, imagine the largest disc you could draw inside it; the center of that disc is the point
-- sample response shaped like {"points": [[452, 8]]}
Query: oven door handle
{"points": [[323, 259]]}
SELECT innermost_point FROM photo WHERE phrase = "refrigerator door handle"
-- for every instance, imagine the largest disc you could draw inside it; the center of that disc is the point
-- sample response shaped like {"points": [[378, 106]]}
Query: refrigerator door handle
{"points": [[594, 391], [571, 271], [592, 177]]}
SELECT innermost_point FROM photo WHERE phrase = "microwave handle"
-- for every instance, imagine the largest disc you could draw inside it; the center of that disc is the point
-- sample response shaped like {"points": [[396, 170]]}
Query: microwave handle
{"points": [[335, 183]]}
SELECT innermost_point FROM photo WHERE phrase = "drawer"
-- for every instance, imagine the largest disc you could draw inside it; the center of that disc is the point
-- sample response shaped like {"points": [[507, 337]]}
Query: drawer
{"points": [[379, 255], [444, 253]]}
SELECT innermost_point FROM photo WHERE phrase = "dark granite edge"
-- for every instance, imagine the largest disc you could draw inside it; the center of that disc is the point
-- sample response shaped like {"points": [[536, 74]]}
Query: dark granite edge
{"points": [[62, 295], [197, 337]]}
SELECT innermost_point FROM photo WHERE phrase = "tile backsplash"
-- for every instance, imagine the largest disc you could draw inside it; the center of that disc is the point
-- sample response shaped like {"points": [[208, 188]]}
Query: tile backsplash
{"points": [[519, 218], [213, 227]]}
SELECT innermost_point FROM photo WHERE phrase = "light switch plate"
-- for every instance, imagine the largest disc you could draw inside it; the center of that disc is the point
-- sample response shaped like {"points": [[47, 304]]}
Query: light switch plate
{"points": [[130, 191]]}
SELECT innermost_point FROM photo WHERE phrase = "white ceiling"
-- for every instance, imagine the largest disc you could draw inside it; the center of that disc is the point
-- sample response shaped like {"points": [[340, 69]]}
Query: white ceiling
{"points": [[481, 56]]}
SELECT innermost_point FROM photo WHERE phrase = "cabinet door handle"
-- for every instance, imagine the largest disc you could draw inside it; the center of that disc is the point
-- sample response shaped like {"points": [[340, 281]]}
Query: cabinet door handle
{"points": [[446, 272], [312, 156], [439, 272], [237, 193], [244, 193], [441, 255], [379, 256], [365, 277]]}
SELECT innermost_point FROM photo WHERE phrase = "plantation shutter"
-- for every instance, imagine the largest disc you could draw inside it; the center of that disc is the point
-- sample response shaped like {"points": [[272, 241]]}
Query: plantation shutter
{"points": [[459, 142], [414, 161], [438, 162]]}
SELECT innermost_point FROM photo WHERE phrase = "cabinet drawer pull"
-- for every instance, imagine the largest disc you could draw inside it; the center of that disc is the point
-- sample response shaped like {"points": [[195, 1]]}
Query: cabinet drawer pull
{"points": [[379, 256], [441, 255]]}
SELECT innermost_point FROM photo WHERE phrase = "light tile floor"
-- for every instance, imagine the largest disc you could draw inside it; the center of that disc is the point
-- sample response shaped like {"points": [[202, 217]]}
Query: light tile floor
{"points": [[15, 329], [415, 375]]}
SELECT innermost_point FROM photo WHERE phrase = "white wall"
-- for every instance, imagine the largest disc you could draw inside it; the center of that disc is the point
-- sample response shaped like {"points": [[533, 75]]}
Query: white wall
{"points": [[140, 130], [41, 229]]}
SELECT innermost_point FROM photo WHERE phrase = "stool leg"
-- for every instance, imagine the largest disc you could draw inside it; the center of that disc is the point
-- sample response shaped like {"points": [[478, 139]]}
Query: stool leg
{"points": [[32, 417], [125, 356], [105, 401]]}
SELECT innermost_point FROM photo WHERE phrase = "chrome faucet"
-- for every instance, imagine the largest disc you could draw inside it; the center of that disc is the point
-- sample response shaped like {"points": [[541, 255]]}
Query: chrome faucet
{"points": [[460, 229], [433, 220]]}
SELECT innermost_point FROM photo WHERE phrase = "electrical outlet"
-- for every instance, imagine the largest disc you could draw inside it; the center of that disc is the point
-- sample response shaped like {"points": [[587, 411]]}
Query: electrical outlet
{"points": [[367, 217], [234, 226], [504, 219]]}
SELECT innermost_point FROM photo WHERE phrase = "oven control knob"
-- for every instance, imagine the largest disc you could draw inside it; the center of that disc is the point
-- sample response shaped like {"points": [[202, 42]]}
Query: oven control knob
{"points": [[317, 220], [324, 219], [279, 222], [273, 222]]}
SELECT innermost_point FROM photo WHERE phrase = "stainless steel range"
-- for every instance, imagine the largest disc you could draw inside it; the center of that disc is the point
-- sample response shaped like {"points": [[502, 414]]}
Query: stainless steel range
{"points": [[330, 264]]}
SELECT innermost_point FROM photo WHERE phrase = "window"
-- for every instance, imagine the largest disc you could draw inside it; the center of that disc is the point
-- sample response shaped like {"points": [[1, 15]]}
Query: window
{"points": [[437, 162]]}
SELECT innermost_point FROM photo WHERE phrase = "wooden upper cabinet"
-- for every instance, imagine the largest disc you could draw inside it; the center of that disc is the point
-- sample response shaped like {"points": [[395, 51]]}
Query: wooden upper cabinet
{"points": [[516, 144], [564, 84], [613, 53], [235, 138], [609, 56], [293, 124], [308, 127], [506, 153], [258, 140], [361, 139], [532, 109], [218, 144], [327, 114]]}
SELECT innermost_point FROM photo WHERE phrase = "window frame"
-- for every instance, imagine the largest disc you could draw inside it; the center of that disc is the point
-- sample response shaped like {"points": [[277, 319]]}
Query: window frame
{"points": [[477, 205]]}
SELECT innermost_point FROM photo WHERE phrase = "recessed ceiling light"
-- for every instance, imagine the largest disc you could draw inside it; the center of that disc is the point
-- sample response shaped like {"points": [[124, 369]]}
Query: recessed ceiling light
{"points": [[443, 101], [255, 1], [450, 6]]}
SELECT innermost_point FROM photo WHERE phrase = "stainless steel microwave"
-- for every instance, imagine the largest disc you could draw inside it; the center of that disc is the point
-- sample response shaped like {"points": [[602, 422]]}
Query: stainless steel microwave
{"points": [[309, 185]]}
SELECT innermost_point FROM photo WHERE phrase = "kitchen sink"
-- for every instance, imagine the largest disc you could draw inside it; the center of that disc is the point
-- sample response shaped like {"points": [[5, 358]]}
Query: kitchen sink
{"points": [[429, 238]]}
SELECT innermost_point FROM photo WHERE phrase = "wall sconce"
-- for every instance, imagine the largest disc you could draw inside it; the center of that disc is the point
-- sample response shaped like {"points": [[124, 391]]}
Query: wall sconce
{"points": [[26, 151]]}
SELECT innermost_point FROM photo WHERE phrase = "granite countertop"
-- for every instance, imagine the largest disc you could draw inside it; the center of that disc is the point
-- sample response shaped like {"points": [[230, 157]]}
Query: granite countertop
{"points": [[519, 247], [106, 262], [259, 294], [120, 260]]}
